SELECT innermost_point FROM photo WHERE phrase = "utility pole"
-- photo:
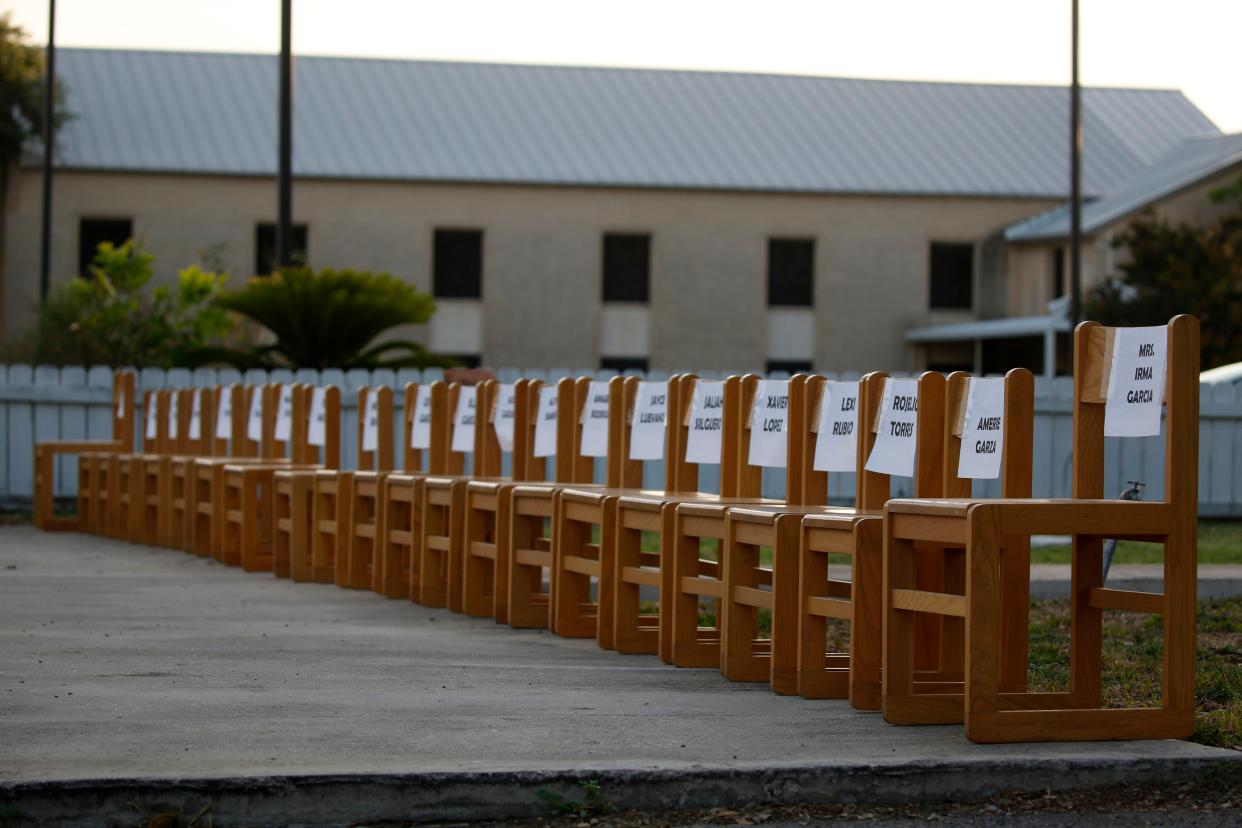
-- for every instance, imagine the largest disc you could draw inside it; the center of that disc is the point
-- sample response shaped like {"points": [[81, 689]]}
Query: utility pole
{"points": [[284, 197], [49, 141], [1075, 179]]}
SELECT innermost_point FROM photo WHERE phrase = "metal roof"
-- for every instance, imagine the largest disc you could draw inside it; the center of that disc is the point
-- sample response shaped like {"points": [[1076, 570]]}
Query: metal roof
{"points": [[215, 113], [1189, 163]]}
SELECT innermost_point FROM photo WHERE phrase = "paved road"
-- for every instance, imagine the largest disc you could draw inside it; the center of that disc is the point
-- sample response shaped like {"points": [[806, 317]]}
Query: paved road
{"points": [[121, 662]]}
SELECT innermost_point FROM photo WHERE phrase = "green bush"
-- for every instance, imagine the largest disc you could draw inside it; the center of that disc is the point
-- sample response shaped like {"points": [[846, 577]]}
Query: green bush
{"points": [[111, 318], [329, 319]]}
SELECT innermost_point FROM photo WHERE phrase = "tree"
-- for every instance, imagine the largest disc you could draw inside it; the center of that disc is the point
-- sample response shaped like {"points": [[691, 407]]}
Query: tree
{"points": [[1181, 268], [22, 69], [329, 319]]}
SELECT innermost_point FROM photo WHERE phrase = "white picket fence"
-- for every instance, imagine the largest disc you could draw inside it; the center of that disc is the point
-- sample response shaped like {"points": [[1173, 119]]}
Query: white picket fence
{"points": [[48, 403]]}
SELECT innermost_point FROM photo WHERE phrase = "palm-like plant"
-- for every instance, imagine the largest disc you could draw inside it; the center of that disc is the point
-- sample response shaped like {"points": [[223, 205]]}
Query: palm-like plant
{"points": [[329, 319]]}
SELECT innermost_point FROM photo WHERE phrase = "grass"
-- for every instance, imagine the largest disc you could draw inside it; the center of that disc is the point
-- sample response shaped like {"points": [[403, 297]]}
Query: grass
{"points": [[1132, 662], [1220, 542]]}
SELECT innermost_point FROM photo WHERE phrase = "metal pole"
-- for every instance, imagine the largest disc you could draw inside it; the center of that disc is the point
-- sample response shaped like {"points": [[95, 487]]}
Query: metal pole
{"points": [[49, 141], [284, 206], [1075, 181]]}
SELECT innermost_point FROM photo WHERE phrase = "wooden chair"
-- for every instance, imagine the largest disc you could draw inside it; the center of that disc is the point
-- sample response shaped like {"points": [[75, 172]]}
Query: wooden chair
{"points": [[124, 468], [334, 499], [146, 524], [248, 515], [177, 471], [487, 522], [397, 521], [994, 533], [578, 559], [206, 490], [654, 512], [93, 465], [294, 489], [528, 546]]}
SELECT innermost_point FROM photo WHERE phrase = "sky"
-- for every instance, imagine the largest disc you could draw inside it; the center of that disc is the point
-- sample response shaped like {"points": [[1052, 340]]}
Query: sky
{"points": [[1189, 45]]}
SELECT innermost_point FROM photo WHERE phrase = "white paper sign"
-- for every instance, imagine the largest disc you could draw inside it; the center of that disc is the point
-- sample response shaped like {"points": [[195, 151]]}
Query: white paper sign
{"points": [[196, 415], [224, 415], [505, 416], [317, 427], [983, 434], [706, 423], [464, 418], [545, 425], [120, 402], [650, 421], [1136, 382], [152, 410], [174, 412], [769, 424], [595, 421], [420, 425], [254, 417], [370, 422], [284, 413], [836, 440], [893, 452]]}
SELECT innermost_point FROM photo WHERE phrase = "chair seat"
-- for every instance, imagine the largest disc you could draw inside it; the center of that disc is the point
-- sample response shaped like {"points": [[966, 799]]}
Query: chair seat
{"points": [[719, 506], [767, 515], [838, 518], [654, 501], [597, 495], [1019, 516]]}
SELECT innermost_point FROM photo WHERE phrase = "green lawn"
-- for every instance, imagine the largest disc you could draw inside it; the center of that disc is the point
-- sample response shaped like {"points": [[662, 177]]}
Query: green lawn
{"points": [[1220, 542]]}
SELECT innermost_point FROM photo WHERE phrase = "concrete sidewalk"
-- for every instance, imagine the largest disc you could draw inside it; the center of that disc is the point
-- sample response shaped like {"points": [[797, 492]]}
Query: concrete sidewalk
{"points": [[132, 674]]}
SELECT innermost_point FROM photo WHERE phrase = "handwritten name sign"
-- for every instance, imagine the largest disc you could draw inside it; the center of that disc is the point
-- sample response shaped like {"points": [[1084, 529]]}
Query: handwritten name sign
{"points": [[196, 415], [224, 415], [174, 412], [1136, 382], [316, 429], [706, 423], [464, 418], [893, 452], [506, 415], [595, 421], [120, 402], [420, 423], [769, 424], [254, 417], [151, 418], [650, 421], [836, 444], [983, 434], [545, 424]]}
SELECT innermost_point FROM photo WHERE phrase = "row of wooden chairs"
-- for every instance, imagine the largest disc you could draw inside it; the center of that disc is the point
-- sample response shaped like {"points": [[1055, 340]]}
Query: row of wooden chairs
{"points": [[935, 609]]}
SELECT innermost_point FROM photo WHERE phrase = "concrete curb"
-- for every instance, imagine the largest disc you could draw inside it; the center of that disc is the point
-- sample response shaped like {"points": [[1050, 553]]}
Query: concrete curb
{"points": [[323, 800]]}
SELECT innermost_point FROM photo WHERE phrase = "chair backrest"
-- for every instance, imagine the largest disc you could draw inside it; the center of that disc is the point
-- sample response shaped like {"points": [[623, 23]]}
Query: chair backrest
{"points": [[124, 408], [681, 475], [412, 458], [873, 488], [487, 452], [463, 401], [1093, 356], [302, 448], [571, 465], [772, 411], [1017, 448], [198, 422], [212, 398], [440, 458], [241, 444], [155, 407], [374, 432], [526, 466]]}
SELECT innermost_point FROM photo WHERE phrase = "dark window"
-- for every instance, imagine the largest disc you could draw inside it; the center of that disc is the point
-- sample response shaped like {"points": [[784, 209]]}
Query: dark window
{"points": [[627, 267], [952, 275], [623, 363], [457, 264], [793, 366], [94, 232], [465, 360], [265, 247], [1058, 273], [791, 272]]}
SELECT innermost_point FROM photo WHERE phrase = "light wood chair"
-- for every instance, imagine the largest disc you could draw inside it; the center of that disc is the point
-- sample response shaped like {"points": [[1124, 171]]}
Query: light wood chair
{"points": [[442, 526], [94, 458], [176, 472], [994, 535], [654, 512], [487, 522], [294, 491], [123, 495], [206, 490], [397, 523], [146, 524], [248, 516], [351, 532], [528, 541]]}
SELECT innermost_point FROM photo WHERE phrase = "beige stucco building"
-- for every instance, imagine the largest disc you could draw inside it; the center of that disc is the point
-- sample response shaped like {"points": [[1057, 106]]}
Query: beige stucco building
{"points": [[817, 233]]}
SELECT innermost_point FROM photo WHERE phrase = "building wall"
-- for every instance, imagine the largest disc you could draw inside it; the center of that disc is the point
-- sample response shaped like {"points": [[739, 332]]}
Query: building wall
{"points": [[541, 303]]}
